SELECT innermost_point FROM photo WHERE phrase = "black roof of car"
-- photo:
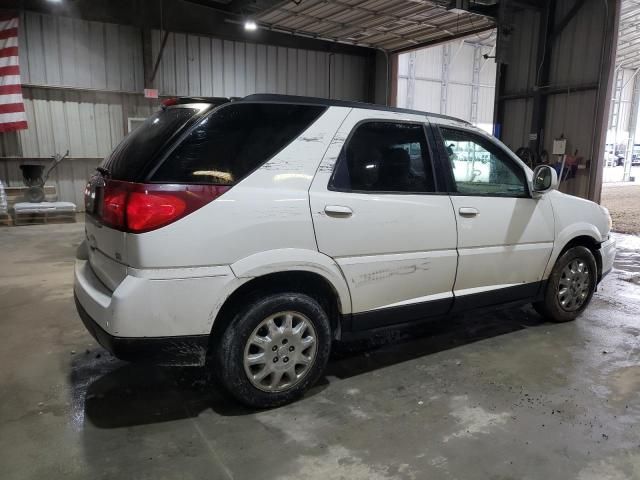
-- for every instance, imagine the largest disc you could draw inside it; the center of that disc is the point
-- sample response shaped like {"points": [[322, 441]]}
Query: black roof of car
{"points": [[277, 98]]}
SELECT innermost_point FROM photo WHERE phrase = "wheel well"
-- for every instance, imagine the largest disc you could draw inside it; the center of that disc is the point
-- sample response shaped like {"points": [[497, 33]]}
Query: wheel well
{"points": [[591, 244], [312, 284]]}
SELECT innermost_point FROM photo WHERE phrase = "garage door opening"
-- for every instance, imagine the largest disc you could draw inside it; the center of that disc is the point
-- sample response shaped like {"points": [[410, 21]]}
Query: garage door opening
{"points": [[455, 78], [621, 158]]}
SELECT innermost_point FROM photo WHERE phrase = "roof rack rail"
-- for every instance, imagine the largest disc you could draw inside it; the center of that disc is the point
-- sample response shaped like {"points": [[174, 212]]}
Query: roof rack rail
{"points": [[277, 98], [183, 100]]}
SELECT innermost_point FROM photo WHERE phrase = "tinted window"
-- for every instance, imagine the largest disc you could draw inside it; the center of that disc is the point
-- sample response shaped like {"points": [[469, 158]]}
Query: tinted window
{"points": [[480, 167], [385, 157], [129, 158], [235, 140]]}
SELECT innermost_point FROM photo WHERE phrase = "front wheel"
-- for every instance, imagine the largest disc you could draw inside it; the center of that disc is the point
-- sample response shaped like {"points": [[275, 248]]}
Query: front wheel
{"points": [[570, 286], [274, 350]]}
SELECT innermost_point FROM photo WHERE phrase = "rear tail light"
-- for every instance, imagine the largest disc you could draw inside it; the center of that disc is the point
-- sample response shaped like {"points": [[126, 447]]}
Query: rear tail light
{"points": [[149, 210], [139, 207], [114, 201]]}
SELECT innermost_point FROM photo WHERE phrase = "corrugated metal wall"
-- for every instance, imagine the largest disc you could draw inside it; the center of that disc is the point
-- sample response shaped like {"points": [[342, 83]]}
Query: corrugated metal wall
{"points": [[442, 80], [521, 78], [575, 61], [62, 51], [87, 123], [97, 71], [198, 65]]}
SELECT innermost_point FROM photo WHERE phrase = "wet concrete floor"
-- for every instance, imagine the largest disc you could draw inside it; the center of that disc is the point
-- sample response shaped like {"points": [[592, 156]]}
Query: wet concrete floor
{"points": [[500, 395]]}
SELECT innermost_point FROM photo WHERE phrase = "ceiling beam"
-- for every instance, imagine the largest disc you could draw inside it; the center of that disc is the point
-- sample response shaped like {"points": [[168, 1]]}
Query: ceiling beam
{"points": [[560, 26], [444, 39], [251, 7]]}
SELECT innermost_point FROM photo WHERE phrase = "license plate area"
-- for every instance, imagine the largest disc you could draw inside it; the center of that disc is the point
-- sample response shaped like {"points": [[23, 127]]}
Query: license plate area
{"points": [[93, 194]]}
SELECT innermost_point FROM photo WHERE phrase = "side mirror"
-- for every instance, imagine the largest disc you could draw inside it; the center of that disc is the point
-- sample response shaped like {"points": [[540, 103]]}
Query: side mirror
{"points": [[544, 180]]}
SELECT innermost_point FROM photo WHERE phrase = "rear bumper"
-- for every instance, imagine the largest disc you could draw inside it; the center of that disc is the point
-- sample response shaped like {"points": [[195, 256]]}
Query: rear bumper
{"points": [[161, 316], [188, 350]]}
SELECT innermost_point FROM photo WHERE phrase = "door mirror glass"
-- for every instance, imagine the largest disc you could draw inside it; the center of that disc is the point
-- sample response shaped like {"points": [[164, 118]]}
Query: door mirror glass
{"points": [[545, 178]]}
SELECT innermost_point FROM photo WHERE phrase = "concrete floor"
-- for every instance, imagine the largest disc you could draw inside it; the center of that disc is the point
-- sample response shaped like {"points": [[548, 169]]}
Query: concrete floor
{"points": [[500, 395]]}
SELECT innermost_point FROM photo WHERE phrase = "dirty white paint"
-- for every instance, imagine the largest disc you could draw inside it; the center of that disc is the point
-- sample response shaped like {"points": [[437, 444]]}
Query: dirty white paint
{"points": [[380, 270], [389, 250]]}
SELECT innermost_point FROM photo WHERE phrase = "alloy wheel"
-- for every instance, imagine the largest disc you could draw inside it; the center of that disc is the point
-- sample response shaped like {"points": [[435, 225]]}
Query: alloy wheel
{"points": [[280, 351], [574, 285]]}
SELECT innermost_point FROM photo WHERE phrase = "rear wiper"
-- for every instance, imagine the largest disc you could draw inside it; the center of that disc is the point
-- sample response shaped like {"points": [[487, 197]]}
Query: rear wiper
{"points": [[105, 172]]}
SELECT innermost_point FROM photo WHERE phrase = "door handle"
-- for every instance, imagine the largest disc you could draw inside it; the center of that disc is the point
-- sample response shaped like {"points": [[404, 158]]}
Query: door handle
{"points": [[337, 211], [468, 211]]}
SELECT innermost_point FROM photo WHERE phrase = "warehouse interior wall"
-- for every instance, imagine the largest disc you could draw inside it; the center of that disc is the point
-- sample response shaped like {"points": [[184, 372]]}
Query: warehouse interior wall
{"points": [[383, 78], [83, 81], [197, 65], [550, 86]]}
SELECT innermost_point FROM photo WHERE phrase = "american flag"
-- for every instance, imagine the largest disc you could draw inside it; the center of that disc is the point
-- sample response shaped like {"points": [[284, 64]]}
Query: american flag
{"points": [[12, 115]]}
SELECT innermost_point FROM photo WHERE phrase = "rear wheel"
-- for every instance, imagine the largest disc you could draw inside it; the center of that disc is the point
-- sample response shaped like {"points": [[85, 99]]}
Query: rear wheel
{"points": [[570, 286], [274, 350]]}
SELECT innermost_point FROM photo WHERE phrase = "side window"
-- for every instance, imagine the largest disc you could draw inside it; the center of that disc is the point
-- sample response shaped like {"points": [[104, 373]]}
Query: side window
{"points": [[480, 167], [385, 157], [235, 140]]}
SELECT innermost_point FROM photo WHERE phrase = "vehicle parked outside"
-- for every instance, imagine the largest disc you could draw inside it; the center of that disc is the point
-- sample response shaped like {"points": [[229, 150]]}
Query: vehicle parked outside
{"points": [[613, 159], [248, 235]]}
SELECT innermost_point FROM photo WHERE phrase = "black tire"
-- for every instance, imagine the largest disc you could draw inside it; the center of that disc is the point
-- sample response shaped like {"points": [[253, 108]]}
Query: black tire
{"points": [[229, 352], [550, 307]]}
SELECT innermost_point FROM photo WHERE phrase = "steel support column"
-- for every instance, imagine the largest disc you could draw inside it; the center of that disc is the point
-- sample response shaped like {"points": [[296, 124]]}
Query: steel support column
{"points": [[543, 62], [614, 117], [605, 79], [446, 59], [475, 88], [393, 80], [633, 123], [411, 80]]}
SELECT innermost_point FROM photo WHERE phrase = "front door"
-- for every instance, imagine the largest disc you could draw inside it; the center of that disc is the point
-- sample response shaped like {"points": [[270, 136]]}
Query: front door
{"points": [[505, 236], [377, 211]]}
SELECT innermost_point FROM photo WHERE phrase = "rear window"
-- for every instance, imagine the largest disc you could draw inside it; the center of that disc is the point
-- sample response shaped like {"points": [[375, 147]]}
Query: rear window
{"points": [[233, 141], [130, 157]]}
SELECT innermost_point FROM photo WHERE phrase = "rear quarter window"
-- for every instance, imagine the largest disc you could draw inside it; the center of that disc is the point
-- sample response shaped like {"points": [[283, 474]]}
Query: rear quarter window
{"points": [[138, 149], [233, 141]]}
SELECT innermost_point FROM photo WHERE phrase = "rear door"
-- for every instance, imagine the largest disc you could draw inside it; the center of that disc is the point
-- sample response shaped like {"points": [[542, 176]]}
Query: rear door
{"points": [[377, 211], [505, 236]]}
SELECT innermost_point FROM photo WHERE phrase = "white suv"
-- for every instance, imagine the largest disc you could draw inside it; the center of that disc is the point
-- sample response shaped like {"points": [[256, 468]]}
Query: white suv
{"points": [[248, 235]]}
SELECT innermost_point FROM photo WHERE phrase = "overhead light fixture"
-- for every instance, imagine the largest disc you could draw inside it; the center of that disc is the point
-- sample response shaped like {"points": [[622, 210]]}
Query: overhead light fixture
{"points": [[54, 1], [250, 25]]}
